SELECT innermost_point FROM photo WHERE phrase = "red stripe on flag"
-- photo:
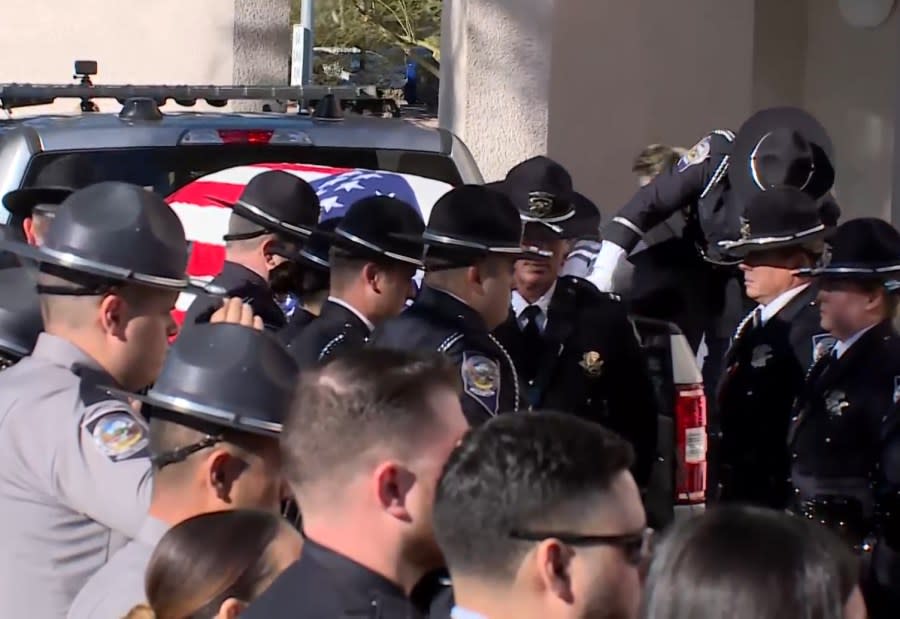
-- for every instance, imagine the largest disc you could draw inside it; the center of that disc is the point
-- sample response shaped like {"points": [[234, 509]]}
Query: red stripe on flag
{"points": [[201, 192], [206, 260], [301, 167]]}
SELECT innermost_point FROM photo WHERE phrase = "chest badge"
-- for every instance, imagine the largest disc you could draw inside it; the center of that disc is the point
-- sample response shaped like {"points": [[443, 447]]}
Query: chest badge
{"points": [[761, 356], [835, 403], [592, 363], [822, 345]]}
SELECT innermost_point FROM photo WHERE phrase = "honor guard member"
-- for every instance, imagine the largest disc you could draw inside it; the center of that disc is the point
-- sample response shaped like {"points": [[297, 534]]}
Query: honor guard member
{"points": [[215, 413], [20, 316], [375, 251], [843, 441], [315, 263], [75, 476], [714, 182], [573, 345], [363, 447], [774, 345], [32, 207], [473, 238], [275, 213]]}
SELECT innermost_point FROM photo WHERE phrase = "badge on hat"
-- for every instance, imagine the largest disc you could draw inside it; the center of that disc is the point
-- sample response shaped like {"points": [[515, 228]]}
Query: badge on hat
{"points": [[481, 380], [836, 402], [540, 204], [761, 355], [118, 435], [822, 345], [698, 154], [592, 363]]}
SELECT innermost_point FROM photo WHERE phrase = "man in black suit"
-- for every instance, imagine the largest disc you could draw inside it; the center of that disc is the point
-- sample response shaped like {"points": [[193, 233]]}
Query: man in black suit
{"points": [[772, 349], [573, 345]]}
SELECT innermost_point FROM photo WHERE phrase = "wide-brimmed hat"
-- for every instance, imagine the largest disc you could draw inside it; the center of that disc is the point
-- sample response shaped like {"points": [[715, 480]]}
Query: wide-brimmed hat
{"points": [[315, 251], [226, 375], [777, 218], [471, 222], [864, 248], [383, 228], [541, 189], [52, 184], [778, 147], [118, 232], [20, 313], [278, 202]]}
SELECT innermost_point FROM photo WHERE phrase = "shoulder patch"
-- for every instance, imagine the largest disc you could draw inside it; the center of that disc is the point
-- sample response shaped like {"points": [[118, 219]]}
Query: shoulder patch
{"points": [[481, 380], [117, 434], [822, 345], [698, 154]]}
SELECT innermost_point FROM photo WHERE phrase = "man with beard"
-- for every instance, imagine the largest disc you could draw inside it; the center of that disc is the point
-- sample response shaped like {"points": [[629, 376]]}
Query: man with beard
{"points": [[539, 518], [573, 345], [275, 213], [362, 450]]}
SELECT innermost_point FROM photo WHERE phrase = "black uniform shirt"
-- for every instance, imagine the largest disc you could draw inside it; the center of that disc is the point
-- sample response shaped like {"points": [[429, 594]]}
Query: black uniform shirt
{"points": [[323, 584], [439, 321], [239, 281], [337, 329], [296, 323]]}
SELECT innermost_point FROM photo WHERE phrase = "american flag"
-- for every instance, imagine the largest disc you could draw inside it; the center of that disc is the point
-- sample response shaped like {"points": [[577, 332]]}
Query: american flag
{"points": [[206, 221]]}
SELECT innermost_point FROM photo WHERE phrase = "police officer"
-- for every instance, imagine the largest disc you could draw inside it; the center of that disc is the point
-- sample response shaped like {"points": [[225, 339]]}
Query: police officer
{"points": [[74, 477], [32, 207], [20, 316], [215, 414], [315, 263], [376, 249], [844, 443], [473, 238], [573, 345], [714, 182], [772, 349], [274, 214]]}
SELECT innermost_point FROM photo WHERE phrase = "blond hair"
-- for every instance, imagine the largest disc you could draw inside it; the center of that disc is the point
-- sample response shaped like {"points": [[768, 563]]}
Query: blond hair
{"points": [[656, 158]]}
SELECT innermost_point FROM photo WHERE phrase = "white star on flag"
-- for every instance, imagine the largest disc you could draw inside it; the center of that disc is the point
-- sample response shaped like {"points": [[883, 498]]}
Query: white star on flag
{"points": [[349, 186], [329, 203], [389, 195], [337, 180], [363, 177]]}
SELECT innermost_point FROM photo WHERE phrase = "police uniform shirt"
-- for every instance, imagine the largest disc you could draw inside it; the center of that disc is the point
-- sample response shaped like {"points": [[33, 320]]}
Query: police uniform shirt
{"points": [[590, 363], [74, 478], [239, 281], [323, 584], [338, 329], [444, 323], [296, 323], [765, 369], [119, 585], [542, 305]]}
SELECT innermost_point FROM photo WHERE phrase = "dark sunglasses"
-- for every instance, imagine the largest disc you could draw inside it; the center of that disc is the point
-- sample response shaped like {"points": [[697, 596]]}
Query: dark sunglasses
{"points": [[635, 546]]}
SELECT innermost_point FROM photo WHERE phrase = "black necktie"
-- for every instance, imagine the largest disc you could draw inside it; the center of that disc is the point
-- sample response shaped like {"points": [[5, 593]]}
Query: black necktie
{"points": [[532, 340]]}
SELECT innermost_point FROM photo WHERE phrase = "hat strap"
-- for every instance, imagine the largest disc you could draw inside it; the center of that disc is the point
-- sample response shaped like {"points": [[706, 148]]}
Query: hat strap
{"points": [[271, 219], [182, 453]]}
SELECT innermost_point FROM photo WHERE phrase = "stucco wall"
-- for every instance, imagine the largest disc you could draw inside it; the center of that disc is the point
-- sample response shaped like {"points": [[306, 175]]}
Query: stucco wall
{"points": [[262, 43]]}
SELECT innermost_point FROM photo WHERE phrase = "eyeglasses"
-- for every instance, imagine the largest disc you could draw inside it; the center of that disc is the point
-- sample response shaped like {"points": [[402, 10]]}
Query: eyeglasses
{"points": [[635, 546]]}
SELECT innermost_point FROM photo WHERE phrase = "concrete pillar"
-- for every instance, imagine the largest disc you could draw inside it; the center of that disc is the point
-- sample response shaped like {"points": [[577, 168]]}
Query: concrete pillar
{"points": [[262, 44]]}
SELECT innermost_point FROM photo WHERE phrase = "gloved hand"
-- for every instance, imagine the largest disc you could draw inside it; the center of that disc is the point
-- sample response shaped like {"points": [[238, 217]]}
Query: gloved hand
{"points": [[603, 271], [580, 259]]}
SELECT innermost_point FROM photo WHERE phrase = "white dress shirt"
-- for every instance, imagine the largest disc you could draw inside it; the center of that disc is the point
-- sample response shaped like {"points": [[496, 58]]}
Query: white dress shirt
{"points": [[779, 302], [519, 304], [842, 346]]}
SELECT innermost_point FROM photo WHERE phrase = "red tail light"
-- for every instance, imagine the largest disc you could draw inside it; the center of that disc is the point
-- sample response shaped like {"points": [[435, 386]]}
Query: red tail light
{"points": [[690, 440], [237, 136]]}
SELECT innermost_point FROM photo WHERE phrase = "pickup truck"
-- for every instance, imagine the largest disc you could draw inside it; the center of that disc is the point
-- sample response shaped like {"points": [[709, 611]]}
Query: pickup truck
{"points": [[166, 151]]}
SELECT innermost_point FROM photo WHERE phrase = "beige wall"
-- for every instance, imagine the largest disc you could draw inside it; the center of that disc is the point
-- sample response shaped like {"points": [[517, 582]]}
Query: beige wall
{"points": [[135, 41], [624, 74]]}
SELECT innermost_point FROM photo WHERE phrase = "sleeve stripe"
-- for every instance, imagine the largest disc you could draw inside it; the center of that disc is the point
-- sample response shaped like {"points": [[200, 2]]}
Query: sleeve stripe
{"points": [[631, 226]]}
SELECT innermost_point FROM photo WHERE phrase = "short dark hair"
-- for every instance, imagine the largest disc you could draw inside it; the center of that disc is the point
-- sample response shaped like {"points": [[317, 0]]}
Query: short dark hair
{"points": [[372, 397], [204, 560], [747, 562], [517, 472]]}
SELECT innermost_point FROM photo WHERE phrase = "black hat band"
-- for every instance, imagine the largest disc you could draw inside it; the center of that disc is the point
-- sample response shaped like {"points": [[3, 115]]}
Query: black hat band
{"points": [[273, 220], [494, 249], [372, 246], [228, 418], [757, 177]]}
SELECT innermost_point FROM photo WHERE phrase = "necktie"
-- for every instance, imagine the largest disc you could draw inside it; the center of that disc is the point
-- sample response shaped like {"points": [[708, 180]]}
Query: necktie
{"points": [[532, 340], [757, 318]]}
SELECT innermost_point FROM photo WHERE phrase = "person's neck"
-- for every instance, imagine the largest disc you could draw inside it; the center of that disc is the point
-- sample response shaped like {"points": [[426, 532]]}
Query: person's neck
{"points": [[848, 332], [770, 298], [91, 345], [169, 505], [478, 597], [531, 292], [356, 541], [313, 303], [249, 262]]}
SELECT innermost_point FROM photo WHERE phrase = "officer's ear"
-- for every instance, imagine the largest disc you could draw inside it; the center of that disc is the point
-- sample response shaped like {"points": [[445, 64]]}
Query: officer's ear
{"points": [[230, 609], [475, 275], [552, 562], [114, 314], [374, 276], [269, 252], [392, 485], [222, 470]]}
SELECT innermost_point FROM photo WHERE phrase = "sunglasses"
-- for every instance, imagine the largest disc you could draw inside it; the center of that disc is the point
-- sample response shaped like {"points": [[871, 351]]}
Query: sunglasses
{"points": [[636, 547]]}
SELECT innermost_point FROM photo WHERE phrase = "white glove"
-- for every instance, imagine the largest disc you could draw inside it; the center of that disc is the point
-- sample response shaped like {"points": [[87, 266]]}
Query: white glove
{"points": [[606, 264], [580, 258]]}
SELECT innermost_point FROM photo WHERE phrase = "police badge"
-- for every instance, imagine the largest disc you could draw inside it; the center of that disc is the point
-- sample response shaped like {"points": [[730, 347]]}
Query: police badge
{"points": [[745, 228], [835, 403], [592, 363], [761, 356], [481, 380], [540, 204], [698, 154]]}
